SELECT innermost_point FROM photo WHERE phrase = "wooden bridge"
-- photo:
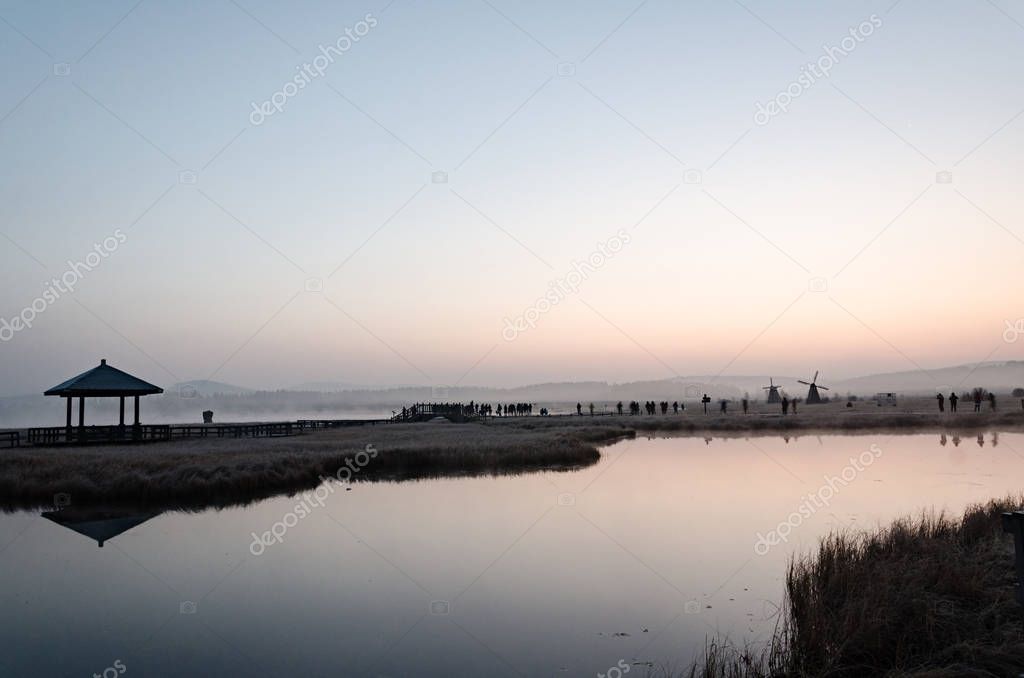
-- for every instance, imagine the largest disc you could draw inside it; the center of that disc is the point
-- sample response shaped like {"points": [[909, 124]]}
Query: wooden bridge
{"points": [[428, 411]]}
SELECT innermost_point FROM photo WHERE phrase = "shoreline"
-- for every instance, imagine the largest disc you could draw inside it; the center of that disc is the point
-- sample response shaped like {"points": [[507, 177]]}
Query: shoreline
{"points": [[195, 473], [925, 596]]}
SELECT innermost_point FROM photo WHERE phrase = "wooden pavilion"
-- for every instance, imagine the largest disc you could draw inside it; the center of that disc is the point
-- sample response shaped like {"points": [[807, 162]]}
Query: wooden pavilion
{"points": [[102, 381]]}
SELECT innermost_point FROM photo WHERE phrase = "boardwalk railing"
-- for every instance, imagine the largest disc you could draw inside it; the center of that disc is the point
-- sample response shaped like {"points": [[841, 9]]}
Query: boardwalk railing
{"points": [[271, 430], [60, 435], [335, 423]]}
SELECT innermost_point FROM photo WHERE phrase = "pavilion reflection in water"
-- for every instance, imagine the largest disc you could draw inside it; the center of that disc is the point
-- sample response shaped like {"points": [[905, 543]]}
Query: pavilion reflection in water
{"points": [[98, 523]]}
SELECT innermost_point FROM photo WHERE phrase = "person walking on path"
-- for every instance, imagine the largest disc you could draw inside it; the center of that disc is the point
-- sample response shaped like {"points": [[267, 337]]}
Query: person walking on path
{"points": [[785, 405], [579, 409], [953, 398], [942, 402], [977, 400], [992, 401], [746, 404]]}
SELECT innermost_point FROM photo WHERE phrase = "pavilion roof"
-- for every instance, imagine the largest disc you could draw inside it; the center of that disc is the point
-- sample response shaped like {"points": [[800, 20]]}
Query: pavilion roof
{"points": [[99, 525], [104, 381]]}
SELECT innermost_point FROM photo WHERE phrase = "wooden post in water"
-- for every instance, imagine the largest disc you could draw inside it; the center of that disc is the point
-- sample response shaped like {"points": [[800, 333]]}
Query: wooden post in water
{"points": [[1014, 524]]}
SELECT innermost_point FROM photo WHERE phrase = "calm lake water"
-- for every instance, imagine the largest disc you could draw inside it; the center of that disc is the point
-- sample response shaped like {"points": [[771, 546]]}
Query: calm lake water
{"points": [[636, 559]]}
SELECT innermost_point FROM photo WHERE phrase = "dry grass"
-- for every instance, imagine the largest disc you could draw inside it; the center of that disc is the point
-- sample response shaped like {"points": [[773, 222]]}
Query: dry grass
{"points": [[928, 597], [196, 472], [912, 416]]}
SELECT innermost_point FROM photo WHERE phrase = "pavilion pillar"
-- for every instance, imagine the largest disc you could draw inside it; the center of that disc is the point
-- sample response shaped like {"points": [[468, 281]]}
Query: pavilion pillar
{"points": [[81, 417], [67, 432], [122, 412], [136, 428]]}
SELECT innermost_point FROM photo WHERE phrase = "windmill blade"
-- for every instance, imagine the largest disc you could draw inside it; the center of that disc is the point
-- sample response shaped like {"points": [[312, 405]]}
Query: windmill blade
{"points": [[815, 376], [823, 388], [805, 383]]}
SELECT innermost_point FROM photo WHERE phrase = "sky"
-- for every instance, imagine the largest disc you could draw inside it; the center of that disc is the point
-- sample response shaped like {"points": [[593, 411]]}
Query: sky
{"points": [[488, 192]]}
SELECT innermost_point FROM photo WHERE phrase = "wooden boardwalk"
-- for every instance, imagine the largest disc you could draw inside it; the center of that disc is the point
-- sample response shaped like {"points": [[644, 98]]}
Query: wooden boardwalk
{"points": [[50, 436]]}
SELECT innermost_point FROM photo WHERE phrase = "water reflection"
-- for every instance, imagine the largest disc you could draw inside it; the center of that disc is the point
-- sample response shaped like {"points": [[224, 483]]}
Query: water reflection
{"points": [[638, 558], [98, 523]]}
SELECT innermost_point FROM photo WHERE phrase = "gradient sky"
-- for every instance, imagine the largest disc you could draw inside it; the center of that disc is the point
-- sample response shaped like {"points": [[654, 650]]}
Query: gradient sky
{"points": [[543, 161]]}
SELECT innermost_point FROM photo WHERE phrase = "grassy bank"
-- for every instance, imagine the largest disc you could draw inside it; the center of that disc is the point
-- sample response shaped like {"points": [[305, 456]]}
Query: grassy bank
{"points": [[834, 418], [211, 471], [926, 597], [207, 471]]}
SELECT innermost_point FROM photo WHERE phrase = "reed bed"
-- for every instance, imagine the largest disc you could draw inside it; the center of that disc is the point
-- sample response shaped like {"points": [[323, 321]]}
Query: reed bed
{"points": [[925, 597]]}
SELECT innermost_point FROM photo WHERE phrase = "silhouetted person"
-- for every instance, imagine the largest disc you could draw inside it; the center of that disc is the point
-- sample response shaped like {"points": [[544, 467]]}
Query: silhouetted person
{"points": [[724, 407], [992, 401], [619, 408], [941, 399], [792, 403], [785, 405], [953, 398], [746, 405], [675, 407], [664, 407], [591, 409], [579, 409], [977, 400]]}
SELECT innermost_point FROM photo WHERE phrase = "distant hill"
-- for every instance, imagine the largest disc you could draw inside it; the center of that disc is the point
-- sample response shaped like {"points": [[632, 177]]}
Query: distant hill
{"points": [[330, 387], [204, 387], [997, 376]]}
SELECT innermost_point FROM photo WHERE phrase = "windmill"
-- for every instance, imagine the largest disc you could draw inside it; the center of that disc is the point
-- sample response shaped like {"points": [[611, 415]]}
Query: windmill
{"points": [[812, 390], [773, 392]]}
